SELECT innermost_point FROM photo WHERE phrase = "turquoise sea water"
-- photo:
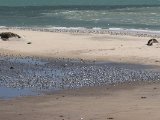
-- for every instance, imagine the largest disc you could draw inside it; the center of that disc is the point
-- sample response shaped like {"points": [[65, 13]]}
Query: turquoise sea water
{"points": [[76, 2], [106, 14]]}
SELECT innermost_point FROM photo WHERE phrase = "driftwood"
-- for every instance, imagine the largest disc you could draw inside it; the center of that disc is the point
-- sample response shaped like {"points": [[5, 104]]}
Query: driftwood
{"points": [[151, 41], [7, 35]]}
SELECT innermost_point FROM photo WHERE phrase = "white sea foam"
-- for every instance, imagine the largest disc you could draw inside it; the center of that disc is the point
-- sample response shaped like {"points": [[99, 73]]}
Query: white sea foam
{"points": [[96, 30], [2, 26], [116, 29], [67, 28], [153, 13], [135, 30]]}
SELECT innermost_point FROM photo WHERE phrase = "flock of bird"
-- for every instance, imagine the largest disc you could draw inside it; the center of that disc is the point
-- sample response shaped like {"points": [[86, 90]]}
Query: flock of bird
{"points": [[58, 74]]}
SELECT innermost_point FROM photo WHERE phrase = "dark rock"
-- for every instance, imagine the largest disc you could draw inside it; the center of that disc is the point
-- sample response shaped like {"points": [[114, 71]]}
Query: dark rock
{"points": [[29, 43], [11, 67], [61, 116], [151, 41], [157, 61], [7, 35], [82, 61], [143, 97], [110, 118]]}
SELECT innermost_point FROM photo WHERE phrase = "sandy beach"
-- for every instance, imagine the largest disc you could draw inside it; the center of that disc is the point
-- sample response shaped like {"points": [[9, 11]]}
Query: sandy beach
{"points": [[118, 103], [99, 47], [128, 101]]}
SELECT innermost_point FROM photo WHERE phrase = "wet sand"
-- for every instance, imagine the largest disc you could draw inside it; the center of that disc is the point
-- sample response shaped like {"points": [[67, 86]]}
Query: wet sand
{"points": [[118, 103]]}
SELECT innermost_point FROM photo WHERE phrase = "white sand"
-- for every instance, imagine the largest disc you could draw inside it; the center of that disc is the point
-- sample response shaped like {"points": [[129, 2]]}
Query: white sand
{"points": [[106, 47]]}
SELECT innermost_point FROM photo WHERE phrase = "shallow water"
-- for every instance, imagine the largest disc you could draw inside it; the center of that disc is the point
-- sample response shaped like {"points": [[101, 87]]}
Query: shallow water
{"points": [[8, 93], [26, 61]]}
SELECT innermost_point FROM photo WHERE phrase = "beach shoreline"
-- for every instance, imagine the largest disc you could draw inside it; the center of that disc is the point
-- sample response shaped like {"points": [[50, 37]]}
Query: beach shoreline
{"points": [[84, 59], [79, 60], [82, 30]]}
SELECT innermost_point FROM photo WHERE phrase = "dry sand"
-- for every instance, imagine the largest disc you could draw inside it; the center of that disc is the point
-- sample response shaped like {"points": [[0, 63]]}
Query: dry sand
{"points": [[118, 48], [139, 102]]}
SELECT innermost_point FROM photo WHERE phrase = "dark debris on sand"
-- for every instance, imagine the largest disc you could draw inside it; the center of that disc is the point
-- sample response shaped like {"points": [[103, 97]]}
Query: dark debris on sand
{"points": [[151, 41], [6, 35]]}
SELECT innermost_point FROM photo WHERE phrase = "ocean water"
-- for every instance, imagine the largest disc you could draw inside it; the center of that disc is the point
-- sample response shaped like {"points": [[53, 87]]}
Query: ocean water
{"points": [[100, 14]]}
